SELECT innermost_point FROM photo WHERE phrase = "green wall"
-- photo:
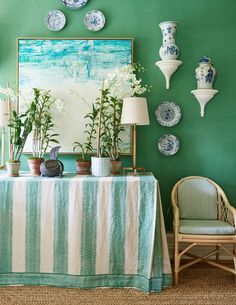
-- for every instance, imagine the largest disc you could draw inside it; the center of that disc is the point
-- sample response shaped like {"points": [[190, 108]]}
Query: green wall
{"points": [[205, 28]]}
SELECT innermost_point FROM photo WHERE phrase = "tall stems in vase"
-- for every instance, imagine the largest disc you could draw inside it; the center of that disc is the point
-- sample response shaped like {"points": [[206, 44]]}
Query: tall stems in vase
{"points": [[100, 122]]}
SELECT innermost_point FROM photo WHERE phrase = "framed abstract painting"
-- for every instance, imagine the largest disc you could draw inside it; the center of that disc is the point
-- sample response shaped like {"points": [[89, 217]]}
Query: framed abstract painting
{"points": [[72, 69]]}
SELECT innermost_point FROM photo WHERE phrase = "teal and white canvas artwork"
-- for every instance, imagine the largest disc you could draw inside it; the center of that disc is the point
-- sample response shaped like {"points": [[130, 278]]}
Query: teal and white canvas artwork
{"points": [[73, 70]]}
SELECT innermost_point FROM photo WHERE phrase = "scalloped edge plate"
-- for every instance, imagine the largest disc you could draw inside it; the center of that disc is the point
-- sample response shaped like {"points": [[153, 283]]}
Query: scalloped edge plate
{"points": [[164, 112], [94, 20], [168, 145], [74, 4], [57, 23]]}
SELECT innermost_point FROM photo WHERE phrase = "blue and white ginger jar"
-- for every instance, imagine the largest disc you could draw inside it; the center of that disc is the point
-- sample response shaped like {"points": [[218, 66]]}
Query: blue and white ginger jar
{"points": [[169, 49], [205, 73]]}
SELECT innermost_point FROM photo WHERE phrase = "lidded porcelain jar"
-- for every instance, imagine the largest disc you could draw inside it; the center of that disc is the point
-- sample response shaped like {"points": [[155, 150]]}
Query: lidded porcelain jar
{"points": [[169, 49], [205, 73]]}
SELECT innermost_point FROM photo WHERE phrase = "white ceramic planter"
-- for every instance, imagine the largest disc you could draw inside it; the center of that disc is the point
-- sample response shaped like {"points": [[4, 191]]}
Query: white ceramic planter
{"points": [[100, 166], [13, 169]]}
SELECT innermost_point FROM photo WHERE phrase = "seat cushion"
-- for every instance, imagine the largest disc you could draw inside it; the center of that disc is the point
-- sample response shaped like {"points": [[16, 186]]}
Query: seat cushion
{"points": [[206, 227], [197, 199]]}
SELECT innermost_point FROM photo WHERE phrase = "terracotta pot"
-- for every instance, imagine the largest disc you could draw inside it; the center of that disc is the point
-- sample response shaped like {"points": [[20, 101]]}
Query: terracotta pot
{"points": [[83, 167], [115, 167], [34, 165], [13, 169]]}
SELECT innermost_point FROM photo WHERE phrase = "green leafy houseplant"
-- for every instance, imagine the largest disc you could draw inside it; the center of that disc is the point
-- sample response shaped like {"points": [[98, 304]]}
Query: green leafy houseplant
{"points": [[108, 109], [20, 127], [42, 122], [83, 162], [42, 127], [97, 128], [7, 98], [114, 127], [121, 83], [110, 129], [86, 148], [101, 163], [104, 136]]}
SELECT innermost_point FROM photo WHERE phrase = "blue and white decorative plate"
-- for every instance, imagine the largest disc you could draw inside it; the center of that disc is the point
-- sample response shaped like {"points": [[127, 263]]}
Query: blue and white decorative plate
{"points": [[55, 20], [94, 20], [168, 114], [74, 4], [168, 145]]}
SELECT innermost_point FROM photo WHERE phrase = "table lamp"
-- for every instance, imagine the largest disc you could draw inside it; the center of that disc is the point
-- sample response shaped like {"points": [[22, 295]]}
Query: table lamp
{"points": [[3, 125], [134, 112]]}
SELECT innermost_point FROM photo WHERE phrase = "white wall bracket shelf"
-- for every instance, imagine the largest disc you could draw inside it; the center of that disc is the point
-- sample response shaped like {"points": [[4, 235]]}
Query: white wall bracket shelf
{"points": [[203, 96], [168, 68]]}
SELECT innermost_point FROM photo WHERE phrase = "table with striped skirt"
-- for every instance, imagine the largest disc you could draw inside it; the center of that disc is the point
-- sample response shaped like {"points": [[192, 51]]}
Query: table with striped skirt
{"points": [[83, 231]]}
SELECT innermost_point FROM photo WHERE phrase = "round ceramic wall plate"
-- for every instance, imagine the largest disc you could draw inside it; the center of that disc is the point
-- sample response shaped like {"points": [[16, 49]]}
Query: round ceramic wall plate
{"points": [[94, 20], [168, 145], [74, 4], [55, 20], [168, 114]]}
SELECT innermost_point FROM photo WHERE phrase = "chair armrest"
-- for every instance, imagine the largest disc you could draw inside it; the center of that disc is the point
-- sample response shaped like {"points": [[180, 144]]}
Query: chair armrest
{"points": [[231, 215], [175, 210], [228, 212]]}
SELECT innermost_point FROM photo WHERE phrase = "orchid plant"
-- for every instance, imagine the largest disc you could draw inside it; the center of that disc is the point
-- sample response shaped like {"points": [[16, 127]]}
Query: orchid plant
{"points": [[86, 148], [42, 120], [121, 83], [117, 85], [20, 127]]}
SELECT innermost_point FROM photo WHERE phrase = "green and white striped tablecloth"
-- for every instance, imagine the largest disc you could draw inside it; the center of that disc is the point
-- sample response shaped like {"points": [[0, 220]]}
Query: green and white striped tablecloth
{"points": [[83, 231]]}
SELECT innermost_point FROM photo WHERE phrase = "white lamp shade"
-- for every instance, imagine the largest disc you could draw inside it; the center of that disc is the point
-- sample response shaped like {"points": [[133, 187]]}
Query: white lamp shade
{"points": [[3, 113], [135, 111]]}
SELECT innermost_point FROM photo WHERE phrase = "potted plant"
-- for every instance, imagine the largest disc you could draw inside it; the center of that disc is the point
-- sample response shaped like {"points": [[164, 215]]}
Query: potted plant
{"points": [[121, 83], [42, 127], [101, 162], [20, 127], [114, 131], [8, 97], [83, 162]]}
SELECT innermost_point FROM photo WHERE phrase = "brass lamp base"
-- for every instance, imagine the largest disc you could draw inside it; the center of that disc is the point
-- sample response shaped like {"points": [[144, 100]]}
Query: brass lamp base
{"points": [[133, 170]]}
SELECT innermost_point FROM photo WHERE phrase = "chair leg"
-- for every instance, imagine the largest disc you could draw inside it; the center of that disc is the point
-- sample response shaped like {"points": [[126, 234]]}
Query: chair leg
{"points": [[176, 262], [234, 252], [176, 279], [218, 253]]}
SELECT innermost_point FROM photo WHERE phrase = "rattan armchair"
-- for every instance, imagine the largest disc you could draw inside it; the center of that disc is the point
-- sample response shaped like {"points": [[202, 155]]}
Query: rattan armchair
{"points": [[202, 216]]}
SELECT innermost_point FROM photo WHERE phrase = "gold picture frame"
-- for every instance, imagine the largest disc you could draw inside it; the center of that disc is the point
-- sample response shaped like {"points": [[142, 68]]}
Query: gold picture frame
{"points": [[63, 65]]}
